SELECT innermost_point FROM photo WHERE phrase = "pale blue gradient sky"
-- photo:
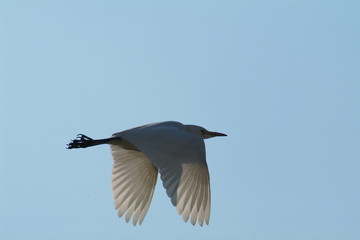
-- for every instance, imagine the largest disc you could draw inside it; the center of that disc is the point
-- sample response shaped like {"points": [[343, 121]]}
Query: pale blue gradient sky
{"points": [[281, 78]]}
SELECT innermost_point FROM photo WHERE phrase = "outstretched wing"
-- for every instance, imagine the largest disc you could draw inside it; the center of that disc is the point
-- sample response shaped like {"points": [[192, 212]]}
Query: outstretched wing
{"points": [[180, 158], [133, 181]]}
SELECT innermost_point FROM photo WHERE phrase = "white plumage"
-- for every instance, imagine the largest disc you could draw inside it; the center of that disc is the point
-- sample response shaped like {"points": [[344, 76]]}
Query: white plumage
{"points": [[174, 150]]}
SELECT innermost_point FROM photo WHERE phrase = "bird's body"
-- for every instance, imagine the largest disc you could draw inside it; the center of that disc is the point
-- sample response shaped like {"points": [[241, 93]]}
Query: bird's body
{"points": [[174, 150]]}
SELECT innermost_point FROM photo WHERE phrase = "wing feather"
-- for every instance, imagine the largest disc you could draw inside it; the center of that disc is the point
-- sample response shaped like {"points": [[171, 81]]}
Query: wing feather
{"points": [[133, 182], [180, 158]]}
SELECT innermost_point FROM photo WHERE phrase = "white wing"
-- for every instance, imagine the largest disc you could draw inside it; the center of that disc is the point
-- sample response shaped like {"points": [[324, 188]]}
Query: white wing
{"points": [[180, 158], [133, 181]]}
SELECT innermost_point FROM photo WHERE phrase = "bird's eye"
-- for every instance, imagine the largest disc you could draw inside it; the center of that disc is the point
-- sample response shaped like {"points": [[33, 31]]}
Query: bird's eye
{"points": [[202, 131]]}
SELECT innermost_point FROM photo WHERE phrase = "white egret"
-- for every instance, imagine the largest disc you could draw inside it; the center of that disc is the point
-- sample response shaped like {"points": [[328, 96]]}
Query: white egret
{"points": [[175, 150]]}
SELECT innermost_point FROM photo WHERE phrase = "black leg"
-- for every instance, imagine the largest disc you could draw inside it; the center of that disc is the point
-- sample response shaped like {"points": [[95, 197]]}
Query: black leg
{"points": [[82, 141]]}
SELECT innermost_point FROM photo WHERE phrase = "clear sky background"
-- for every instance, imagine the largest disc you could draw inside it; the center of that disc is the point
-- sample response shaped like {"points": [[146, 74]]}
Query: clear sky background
{"points": [[281, 78]]}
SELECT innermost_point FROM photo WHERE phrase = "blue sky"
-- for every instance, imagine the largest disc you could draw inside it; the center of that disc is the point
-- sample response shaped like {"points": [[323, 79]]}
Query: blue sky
{"points": [[281, 78]]}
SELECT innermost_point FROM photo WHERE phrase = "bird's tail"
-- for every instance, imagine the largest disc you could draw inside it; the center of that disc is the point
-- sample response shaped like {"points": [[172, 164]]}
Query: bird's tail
{"points": [[83, 141]]}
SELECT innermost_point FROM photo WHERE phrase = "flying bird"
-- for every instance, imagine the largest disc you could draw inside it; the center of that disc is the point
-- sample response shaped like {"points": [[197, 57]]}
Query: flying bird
{"points": [[176, 151]]}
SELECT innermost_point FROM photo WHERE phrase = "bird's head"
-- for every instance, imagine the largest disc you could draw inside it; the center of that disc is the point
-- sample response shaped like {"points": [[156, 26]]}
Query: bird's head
{"points": [[202, 132]]}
